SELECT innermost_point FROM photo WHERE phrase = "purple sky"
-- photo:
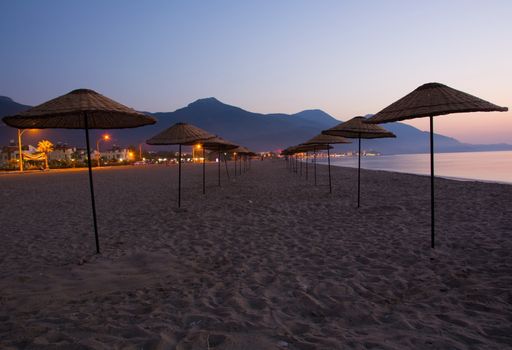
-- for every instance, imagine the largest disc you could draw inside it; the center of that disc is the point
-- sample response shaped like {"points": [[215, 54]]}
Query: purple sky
{"points": [[346, 57]]}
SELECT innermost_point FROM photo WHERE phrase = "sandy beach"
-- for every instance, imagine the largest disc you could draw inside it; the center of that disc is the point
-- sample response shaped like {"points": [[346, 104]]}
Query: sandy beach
{"points": [[267, 261]]}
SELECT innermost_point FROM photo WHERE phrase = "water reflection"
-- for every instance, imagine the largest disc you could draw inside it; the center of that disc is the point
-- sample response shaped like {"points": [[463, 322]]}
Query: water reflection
{"points": [[485, 166]]}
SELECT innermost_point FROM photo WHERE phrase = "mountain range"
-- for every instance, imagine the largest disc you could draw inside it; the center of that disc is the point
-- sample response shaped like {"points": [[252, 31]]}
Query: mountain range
{"points": [[259, 132]]}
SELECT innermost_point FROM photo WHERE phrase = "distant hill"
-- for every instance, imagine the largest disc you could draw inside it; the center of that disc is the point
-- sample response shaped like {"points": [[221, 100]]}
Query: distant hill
{"points": [[8, 106], [259, 132]]}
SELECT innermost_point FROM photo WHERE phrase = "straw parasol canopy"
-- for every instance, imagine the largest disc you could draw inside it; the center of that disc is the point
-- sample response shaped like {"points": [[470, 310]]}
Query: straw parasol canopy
{"points": [[81, 109], [241, 150], [323, 139], [287, 151], [180, 134], [357, 128], [239, 154], [218, 143], [68, 112], [430, 100], [433, 99]]}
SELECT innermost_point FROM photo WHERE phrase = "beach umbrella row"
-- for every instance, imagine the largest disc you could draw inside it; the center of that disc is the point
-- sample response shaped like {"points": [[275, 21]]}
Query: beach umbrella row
{"points": [[86, 109], [181, 134], [353, 128], [430, 100], [303, 148], [356, 128], [328, 140], [220, 145], [242, 152]]}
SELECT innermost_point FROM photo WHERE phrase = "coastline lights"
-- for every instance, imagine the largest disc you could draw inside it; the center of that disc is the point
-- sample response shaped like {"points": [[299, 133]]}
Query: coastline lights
{"points": [[20, 151], [197, 153], [104, 137]]}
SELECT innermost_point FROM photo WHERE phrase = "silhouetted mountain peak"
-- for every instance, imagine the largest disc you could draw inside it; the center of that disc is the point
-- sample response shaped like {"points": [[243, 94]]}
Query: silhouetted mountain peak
{"points": [[207, 101], [209, 106], [10, 107], [317, 116], [6, 99]]}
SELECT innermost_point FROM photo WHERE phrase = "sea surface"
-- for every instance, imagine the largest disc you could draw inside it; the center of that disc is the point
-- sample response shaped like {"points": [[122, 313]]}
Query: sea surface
{"points": [[482, 166]]}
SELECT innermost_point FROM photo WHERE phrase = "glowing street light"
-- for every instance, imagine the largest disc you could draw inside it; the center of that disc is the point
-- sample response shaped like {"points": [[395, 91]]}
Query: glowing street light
{"points": [[20, 132], [105, 137]]}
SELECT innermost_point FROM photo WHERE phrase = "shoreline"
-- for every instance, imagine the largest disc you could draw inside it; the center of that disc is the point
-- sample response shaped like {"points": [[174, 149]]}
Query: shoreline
{"points": [[480, 177]]}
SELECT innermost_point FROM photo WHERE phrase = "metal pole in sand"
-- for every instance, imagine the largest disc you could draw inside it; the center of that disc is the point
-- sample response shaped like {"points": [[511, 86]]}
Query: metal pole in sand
{"points": [[91, 186], [432, 218], [329, 167]]}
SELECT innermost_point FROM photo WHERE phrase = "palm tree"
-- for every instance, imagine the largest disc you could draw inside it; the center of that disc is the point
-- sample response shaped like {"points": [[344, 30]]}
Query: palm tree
{"points": [[45, 146]]}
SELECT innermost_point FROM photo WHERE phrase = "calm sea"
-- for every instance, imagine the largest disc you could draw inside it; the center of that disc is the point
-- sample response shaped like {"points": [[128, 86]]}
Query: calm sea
{"points": [[483, 166]]}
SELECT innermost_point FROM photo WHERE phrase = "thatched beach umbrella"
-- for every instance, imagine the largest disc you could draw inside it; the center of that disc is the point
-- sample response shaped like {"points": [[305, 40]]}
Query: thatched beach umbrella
{"points": [[312, 147], [246, 159], [240, 150], [430, 100], [326, 140], [287, 153], [81, 109], [220, 145], [355, 128], [250, 155], [180, 134], [293, 150]]}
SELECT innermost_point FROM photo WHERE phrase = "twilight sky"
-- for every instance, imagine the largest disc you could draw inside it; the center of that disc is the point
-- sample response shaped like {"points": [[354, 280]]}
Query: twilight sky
{"points": [[347, 58]]}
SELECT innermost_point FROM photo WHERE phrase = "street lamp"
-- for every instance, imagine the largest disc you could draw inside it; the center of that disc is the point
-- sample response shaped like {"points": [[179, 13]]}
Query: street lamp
{"points": [[20, 132], [105, 137]]}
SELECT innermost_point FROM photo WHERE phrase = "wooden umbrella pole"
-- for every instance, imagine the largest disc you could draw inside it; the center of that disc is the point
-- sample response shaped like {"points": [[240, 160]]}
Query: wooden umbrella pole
{"points": [[91, 186], [204, 181], [241, 159], [307, 165], [235, 164], [359, 173], [329, 167], [432, 218], [218, 168], [179, 177], [301, 166], [226, 164], [314, 158]]}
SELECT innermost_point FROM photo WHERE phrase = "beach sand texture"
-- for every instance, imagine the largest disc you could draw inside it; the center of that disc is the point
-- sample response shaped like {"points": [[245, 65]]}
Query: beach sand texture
{"points": [[268, 261]]}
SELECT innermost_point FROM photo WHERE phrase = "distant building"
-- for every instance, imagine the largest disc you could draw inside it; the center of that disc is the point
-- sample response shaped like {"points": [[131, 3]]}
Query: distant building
{"points": [[11, 154], [62, 152], [115, 154]]}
